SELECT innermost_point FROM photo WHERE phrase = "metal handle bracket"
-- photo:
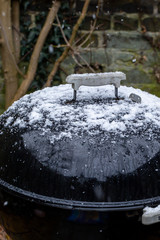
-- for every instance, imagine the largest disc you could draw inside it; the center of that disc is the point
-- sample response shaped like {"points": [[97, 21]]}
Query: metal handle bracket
{"points": [[95, 79], [151, 215]]}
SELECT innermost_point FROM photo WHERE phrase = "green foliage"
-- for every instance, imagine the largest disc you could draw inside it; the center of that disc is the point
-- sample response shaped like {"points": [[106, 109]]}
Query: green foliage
{"points": [[51, 50]]}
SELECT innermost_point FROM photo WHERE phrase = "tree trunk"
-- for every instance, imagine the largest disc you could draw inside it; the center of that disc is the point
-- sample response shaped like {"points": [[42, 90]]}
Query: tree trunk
{"points": [[36, 52], [10, 72], [16, 28]]}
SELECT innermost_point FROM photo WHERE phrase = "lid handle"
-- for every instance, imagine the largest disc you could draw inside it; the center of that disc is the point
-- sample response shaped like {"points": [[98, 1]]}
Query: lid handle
{"points": [[95, 79], [151, 215]]}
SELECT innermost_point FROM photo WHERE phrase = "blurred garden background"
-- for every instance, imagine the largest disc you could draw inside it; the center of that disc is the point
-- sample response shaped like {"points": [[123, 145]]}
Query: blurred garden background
{"points": [[42, 42]]}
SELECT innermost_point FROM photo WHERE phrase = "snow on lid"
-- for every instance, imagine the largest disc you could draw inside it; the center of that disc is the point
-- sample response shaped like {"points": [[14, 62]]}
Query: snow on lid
{"points": [[100, 75], [49, 109]]}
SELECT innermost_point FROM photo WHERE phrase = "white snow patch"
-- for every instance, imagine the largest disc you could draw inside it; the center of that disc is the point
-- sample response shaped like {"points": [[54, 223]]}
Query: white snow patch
{"points": [[35, 116], [44, 108], [19, 122], [150, 210], [9, 120]]}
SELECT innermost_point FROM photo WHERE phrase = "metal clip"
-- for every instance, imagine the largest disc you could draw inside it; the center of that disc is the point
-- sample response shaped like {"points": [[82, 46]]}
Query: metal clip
{"points": [[135, 98]]}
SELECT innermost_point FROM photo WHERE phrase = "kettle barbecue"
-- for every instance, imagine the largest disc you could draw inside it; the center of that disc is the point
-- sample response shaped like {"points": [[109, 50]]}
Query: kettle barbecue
{"points": [[97, 152]]}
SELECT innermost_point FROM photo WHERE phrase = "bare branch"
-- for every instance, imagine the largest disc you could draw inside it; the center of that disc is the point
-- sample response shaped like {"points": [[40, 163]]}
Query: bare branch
{"points": [[72, 38], [9, 49], [92, 70], [93, 26], [76, 60], [60, 26], [37, 49]]}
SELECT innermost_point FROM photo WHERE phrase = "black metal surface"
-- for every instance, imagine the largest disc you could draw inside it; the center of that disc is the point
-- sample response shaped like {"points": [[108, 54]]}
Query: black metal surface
{"points": [[89, 170], [83, 173], [24, 220]]}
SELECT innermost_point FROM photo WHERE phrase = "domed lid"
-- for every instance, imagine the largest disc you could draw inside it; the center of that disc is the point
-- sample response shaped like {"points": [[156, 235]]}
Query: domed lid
{"points": [[97, 152]]}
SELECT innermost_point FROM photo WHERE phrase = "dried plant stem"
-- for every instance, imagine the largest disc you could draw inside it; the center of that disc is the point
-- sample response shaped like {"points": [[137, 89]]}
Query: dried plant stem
{"points": [[37, 49], [93, 26], [70, 42]]}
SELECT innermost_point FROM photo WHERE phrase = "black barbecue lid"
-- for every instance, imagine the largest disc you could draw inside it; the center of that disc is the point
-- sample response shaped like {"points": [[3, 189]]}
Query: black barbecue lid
{"points": [[96, 153]]}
